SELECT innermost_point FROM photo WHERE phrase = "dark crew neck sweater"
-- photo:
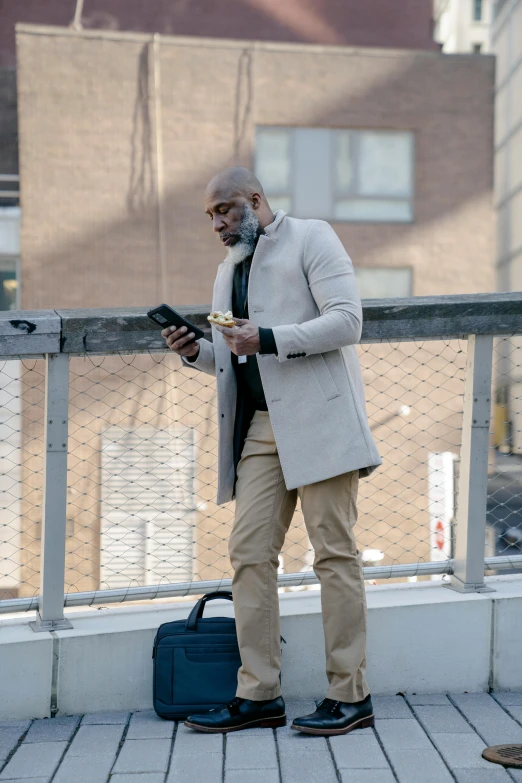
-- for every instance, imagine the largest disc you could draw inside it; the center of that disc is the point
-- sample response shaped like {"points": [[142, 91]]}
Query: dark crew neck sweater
{"points": [[247, 374], [248, 379]]}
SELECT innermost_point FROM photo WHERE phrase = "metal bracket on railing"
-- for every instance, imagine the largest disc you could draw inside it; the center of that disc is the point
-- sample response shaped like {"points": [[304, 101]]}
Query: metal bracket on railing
{"points": [[470, 543], [40, 625], [52, 568]]}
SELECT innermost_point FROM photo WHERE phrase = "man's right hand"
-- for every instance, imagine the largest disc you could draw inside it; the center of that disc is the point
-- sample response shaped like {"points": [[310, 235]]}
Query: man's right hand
{"points": [[180, 341]]}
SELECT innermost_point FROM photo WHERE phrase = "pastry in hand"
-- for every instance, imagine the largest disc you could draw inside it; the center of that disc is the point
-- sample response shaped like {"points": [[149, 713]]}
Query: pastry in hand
{"points": [[221, 319]]}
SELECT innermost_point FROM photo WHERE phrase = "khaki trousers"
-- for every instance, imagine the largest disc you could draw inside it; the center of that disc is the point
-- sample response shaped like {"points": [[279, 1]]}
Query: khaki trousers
{"points": [[264, 510]]}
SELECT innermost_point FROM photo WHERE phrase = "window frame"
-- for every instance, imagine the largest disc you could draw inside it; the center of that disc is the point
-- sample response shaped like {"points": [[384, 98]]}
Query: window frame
{"points": [[337, 195]]}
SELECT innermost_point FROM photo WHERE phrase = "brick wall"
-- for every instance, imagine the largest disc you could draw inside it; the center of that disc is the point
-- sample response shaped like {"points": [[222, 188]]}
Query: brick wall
{"points": [[88, 167]]}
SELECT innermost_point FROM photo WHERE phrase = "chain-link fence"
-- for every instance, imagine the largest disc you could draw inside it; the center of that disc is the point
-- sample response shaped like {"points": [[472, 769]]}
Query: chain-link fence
{"points": [[22, 391], [504, 506], [142, 467]]}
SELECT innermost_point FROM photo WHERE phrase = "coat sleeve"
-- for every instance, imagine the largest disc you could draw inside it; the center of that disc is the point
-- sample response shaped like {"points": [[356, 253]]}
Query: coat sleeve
{"points": [[332, 283], [205, 360]]}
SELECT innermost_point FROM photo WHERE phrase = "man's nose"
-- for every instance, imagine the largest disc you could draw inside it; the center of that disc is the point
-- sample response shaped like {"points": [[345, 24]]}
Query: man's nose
{"points": [[218, 224]]}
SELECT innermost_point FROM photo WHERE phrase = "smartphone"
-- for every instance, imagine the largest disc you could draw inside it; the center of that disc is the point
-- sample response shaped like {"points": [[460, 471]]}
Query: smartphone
{"points": [[166, 316]]}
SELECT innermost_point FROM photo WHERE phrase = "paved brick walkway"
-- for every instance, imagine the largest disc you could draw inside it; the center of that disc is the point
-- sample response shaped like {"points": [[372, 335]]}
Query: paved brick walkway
{"points": [[420, 739]]}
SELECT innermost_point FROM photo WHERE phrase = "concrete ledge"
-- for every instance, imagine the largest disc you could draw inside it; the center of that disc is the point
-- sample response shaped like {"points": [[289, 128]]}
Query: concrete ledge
{"points": [[506, 659], [422, 638], [26, 664]]}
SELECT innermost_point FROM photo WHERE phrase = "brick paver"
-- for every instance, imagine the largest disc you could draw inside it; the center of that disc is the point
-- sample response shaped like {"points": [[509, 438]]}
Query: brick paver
{"points": [[57, 730], [488, 718], [82, 770], [147, 725], [148, 755], [432, 738], [258, 752], [34, 760], [367, 776], [93, 741]]}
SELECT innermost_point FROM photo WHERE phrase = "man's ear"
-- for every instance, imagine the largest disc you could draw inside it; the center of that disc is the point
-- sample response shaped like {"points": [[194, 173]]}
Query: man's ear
{"points": [[256, 200]]}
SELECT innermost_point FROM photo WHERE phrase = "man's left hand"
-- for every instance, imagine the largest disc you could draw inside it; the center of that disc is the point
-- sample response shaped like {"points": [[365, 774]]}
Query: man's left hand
{"points": [[243, 338]]}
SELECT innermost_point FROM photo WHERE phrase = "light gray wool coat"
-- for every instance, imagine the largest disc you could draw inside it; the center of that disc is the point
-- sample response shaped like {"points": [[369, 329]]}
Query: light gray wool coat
{"points": [[301, 285]]}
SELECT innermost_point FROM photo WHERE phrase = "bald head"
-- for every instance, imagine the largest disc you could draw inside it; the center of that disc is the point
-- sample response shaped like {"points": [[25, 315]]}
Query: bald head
{"points": [[235, 180], [231, 196]]}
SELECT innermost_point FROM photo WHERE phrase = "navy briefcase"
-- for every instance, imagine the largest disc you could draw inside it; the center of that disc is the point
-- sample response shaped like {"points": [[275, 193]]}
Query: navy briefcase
{"points": [[195, 662]]}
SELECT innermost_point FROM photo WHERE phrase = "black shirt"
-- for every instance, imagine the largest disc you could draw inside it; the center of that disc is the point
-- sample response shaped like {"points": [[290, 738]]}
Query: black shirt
{"points": [[247, 373], [251, 396]]}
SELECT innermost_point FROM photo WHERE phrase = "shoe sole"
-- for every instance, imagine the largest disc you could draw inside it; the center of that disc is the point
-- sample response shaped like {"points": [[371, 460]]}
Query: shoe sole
{"points": [[362, 723], [265, 723]]}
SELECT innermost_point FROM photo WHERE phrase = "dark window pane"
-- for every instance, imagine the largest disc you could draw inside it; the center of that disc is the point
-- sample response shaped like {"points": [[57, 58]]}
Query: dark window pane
{"points": [[477, 10], [8, 286]]}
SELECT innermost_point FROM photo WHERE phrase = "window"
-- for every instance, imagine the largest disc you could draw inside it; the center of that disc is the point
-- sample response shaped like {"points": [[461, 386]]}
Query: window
{"points": [[8, 286], [477, 48], [477, 10], [338, 175], [9, 257], [383, 282]]}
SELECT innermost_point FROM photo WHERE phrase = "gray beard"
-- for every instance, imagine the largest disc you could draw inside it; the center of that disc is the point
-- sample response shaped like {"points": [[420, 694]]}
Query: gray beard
{"points": [[249, 232]]}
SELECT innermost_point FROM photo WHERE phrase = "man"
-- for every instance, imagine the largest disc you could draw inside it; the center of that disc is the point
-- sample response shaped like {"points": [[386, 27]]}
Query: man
{"points": [[292, 423]]}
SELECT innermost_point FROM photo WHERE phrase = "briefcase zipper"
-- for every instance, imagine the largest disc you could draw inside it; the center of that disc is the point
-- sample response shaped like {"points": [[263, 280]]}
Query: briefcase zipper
{"points": [[155, 645]]}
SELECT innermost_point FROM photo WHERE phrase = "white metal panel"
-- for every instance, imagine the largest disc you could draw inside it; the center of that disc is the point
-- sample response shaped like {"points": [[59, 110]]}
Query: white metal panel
{"points": [[147, 506]]}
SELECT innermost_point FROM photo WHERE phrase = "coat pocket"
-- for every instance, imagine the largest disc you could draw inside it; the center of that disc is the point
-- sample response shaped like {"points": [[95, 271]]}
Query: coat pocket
{"points": [[323, 375]]}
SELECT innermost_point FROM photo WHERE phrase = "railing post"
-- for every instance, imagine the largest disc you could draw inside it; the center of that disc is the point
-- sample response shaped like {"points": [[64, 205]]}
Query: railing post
{"points": [[470, 544], [52, 562]]}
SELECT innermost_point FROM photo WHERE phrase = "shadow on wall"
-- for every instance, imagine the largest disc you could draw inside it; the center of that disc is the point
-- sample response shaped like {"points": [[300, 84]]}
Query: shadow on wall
{"points": [[90, 236], [338, 22]]}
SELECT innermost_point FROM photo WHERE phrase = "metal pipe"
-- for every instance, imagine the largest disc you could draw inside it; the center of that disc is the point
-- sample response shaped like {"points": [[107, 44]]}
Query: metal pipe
{"points": [[52, 565], [401, 570], [77, 21]]}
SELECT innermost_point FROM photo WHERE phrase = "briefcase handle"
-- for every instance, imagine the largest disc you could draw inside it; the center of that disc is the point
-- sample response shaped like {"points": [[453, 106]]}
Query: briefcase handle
{"points": [[197, 612]]}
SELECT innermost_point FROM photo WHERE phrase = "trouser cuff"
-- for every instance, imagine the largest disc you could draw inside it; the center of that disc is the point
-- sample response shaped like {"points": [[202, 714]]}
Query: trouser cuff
{"points": [[348, 697], [258, 694]]}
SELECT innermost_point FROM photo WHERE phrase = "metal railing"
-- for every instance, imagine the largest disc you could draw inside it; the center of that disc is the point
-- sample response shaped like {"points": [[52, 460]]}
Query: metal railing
{"points": [[108, 451]]}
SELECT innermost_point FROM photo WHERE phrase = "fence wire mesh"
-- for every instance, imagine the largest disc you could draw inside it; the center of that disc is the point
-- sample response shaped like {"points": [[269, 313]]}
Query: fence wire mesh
{"points": [[504, 506], [142, 467], [22, 391]]}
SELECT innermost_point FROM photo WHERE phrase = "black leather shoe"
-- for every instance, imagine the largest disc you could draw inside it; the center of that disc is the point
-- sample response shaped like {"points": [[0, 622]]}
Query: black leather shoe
{"points": [[337, 717], [240, 714]]}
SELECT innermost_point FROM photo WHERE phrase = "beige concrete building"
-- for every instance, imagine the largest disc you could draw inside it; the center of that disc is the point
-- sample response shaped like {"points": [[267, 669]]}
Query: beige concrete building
{"points": [[507, 45], [463, 25], [119, 134]]}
